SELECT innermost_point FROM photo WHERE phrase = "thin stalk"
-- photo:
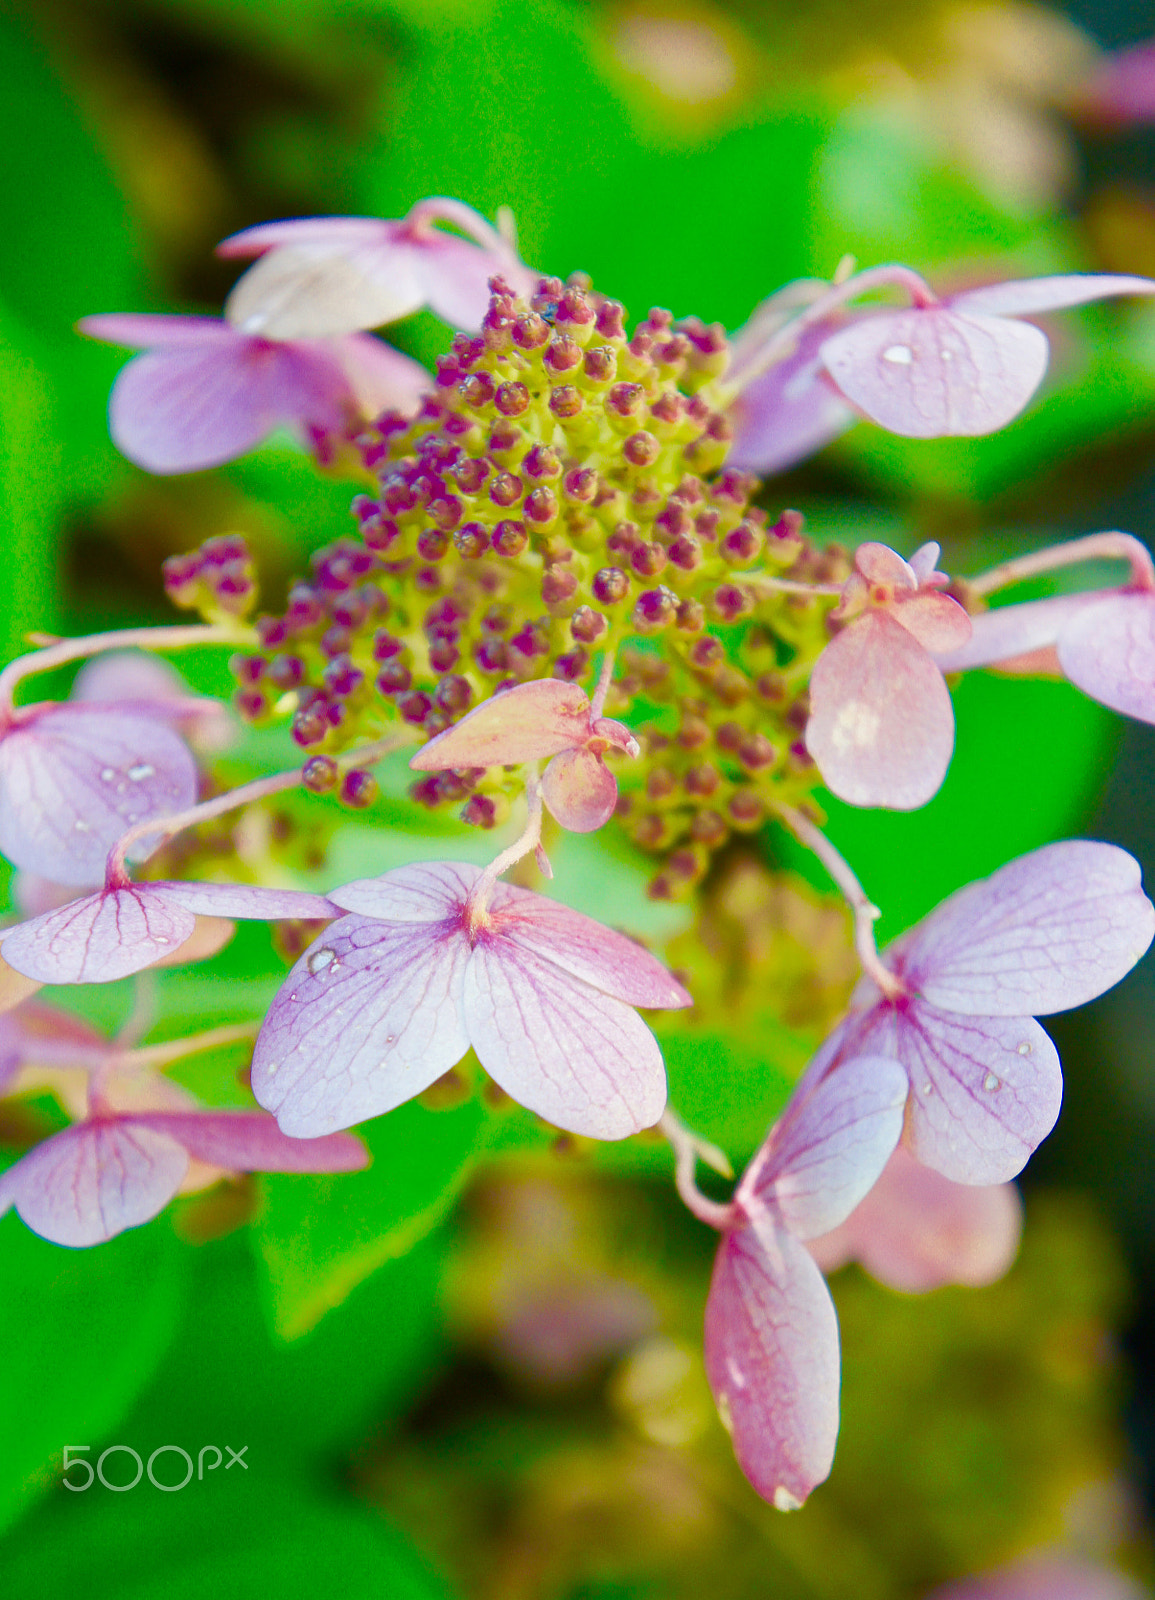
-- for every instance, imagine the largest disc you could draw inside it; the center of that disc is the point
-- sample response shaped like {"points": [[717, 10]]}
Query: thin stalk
{"points": [[605, 678], [1095, 547], [94, 644], [159, 1055], [688, 1150], [763, 582], [529, 839], [866, 914]]}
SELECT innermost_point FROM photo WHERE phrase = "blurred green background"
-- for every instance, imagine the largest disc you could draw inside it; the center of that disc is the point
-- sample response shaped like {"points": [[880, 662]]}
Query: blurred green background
{"points": [[475, 1370]]}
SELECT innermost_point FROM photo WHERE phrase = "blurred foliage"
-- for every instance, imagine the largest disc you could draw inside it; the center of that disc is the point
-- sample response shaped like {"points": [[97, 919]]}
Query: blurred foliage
{"points": [[518, 1383]]}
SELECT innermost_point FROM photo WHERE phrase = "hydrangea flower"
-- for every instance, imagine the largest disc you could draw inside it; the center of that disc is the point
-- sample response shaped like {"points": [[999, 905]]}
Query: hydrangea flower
{"points": [[203, 391], [119, 1168], [74, 778], [916, 1230], [530, 722], [394, 994], [323, 276], [771, 1333], [1046, 932], [126, 927], [881, 727], [137, 682]]}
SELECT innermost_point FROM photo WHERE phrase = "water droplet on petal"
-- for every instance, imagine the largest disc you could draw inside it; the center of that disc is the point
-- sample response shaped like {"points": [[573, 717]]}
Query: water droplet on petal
{"points": [[140, 771], [160, 939], [927, 1087], [108, 774], [1025, 1048], [273, 1070], [390, 1038], [901, 355], [990, 1083], [320, 961], [945, 355], [785, 1501], [81, 827], [737, 1377]]}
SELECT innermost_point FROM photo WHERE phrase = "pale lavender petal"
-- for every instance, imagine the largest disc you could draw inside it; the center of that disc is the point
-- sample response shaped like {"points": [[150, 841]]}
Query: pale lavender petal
{"points": [[94, 1180], [369, 1016], [575, 1056], [526, 723], [881, 725], [1046, 1577], [102, 937], [1028, 297], [984, 1091], [1011, 631], [320, 289], [916, 1230], [771, 1350], [829, 1146], [455, 276], [381, 378], [790, 412], [246, 901], [139, 330], [878, 563], [935, 620], [1046, 932], [148, 686], [34, 895], [924, 562], [250, 1141], [305, 230], [934, 371], [584, 948], [36, 1033], [579, 790], [74, 779], [427, 891], [1108, 651]]}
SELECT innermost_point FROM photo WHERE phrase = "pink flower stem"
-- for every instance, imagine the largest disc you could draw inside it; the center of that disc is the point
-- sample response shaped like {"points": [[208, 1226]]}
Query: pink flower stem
{"points": [[760, 585], [1096, 546], [160, 1055], [605, 678], [530, 839], [94, 644], [865, 913], [688, 1150], [783, 343], [144, 1011], [163, 828]]}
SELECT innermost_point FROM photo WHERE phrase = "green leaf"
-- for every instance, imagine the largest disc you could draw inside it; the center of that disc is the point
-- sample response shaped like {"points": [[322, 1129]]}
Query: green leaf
{"points": [[30, 497], [81, 1332], [321, 1236]]}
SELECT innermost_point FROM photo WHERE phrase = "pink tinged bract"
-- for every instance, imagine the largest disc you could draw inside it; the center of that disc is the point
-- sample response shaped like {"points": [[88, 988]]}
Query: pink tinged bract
{"points": [[916, 1230], [1107, 649], [118, 931], [74, 778], [394, 994], [1003, 635], [141, 683], [790, 411], [207, 393], [771, 1337], [112, 1172], [881, 726]]}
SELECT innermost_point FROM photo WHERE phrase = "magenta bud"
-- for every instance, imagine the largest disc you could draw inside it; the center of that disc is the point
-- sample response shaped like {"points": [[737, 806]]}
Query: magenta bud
{"points": [[453, 693], [394, 678], [625, 399], [563, 355], [341, 677], [558, 585], [444, 655], [319, 774], [310, 724], [510, 538], [286, 672], [655, 608], [647, 560], [707, 654], [531, 332], [471, 473], [731, 602], [415, 707], [505, 490], [587, 625], [641, 449], [336, 642], [359, 788], [432, 544], [479, 811], [471, 540], [610, 586], [477, 390], [600, 365], [756, 753], [691, 617], [742, 544], [541, 508], [580, 484], [512, 399]]}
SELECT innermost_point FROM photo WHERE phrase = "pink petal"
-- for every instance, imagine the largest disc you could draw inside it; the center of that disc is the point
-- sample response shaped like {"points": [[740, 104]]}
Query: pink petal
{"points": [[182, 410], [984, 1091], [381, 378], [525, 723], [1046, 932], [35, 1033], [1108, 651], [335, 231], [829, 1146], [618, 736], [788, 413], [320, 289], [139, 330], [935, 620], [427, 891], [924, 563], [106, 936], [1046, 1577], [246, 901], [878, 563], [771, 1351], [1010, 631], [585, 949], [367, 1018], [74, 779], [916, 1230], [881, 727], [929, 372], [455, 275], [579, 790], [583, 1061], [1029, 297], [133, 681], [250, 1141], [93, 1181]]}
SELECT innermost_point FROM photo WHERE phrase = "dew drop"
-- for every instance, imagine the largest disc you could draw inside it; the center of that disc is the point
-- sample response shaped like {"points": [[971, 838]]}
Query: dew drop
{"points": [[160, 939], [320, 960], [109, 774], [990, 1083], [927, 1087], [81, 827], [785, 1501], [273, 1070], [900, 355], [390, 1038], [1025, 1048], [945, 355], [737, 1376], [140, 771]]}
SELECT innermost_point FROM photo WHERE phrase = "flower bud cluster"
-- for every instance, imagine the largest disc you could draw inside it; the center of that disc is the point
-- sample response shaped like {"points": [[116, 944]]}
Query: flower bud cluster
{"points": [[562, 493]]}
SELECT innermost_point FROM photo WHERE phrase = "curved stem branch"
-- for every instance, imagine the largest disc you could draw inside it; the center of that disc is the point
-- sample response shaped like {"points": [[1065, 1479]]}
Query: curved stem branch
{"points": [[865, 912], [605, 678], [688, 1150], [530, 839], [1095, 547]]}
